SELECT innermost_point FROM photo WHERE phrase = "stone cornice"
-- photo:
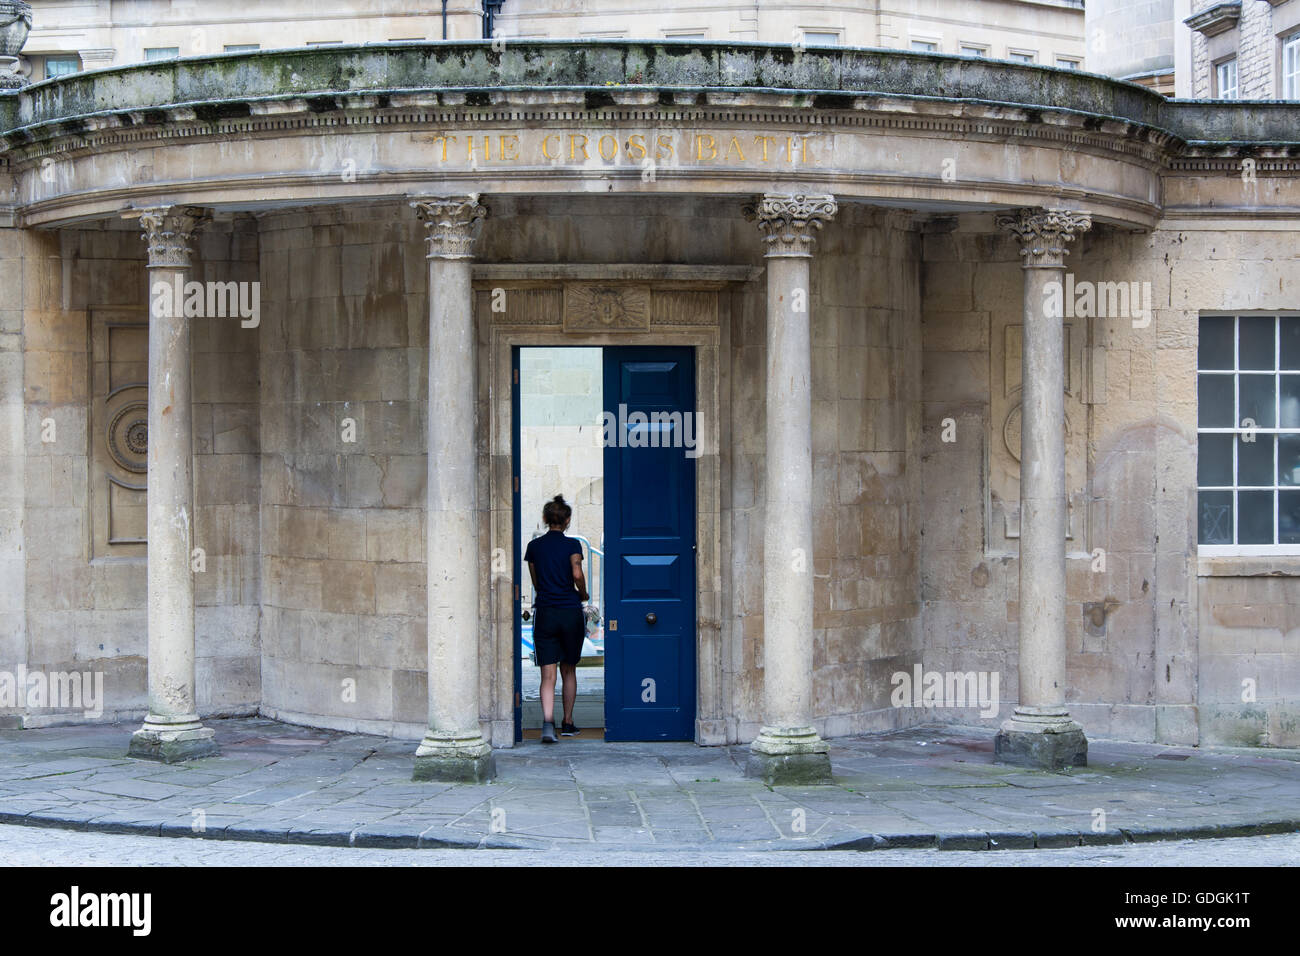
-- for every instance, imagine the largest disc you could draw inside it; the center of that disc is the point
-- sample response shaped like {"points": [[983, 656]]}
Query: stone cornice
{"points": [[134, 130], [1214, 20], [599, 72]]}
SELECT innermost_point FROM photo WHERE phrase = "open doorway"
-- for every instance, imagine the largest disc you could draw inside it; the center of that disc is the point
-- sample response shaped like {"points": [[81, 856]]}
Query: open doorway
{"points": [[558, 450], [612, 429]]}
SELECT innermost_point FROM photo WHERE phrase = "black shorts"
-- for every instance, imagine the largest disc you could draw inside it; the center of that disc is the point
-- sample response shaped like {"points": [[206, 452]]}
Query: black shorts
{"points": [[558, 634]]}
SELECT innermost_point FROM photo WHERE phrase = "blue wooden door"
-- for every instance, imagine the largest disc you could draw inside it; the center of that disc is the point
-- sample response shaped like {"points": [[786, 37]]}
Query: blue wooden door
{"points": [[650, 543]]}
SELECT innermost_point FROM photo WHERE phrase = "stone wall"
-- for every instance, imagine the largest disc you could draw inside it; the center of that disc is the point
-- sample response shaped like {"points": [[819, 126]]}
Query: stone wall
{"points": [[866, 432], [344, 343], [1138, 665], [17, 249], [84, 596]]}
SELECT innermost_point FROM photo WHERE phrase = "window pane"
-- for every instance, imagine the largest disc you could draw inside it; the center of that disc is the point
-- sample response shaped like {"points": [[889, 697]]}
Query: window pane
{"points": [[1215, 350], [1255, 461], [1290, 342], [1256, 347], [61, 66], [1290, 411], [1257, 401], [1214, 517], [1288, 460], [1214, 460], [1214, 401], [1288, 517], [1254, 517]]}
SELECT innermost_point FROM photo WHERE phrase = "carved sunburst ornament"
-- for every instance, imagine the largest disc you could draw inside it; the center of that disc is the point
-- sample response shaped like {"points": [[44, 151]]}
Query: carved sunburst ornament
{"points": [[128, 437]]}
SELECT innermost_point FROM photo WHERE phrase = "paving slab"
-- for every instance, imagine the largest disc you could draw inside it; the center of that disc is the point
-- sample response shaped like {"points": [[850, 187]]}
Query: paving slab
{"points": [[931, 786]]}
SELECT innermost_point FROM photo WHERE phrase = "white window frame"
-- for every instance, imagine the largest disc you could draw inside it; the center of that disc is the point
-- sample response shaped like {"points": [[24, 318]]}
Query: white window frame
{"points": [[64, 57], [1220, 68], [1022, 56], [681, 34], [241, 47], [981, 49], [924, 45], [806, 32], [155, 54], [1247, 550], [1290, 71], [1069, 63]]}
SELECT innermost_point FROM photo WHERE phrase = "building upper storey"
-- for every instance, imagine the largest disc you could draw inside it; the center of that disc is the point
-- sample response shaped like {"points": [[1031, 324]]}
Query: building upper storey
{"points": [[72, 35]]}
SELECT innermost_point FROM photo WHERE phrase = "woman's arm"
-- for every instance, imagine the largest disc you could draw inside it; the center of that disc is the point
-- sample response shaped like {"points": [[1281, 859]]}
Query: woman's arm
{"points": [[579, 579]]}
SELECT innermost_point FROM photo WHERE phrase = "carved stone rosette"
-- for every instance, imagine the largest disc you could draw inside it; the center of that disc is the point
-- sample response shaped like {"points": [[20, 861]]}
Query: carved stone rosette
{"points": [[1043, 233], [789, 222], [168, 231], [452, 223]]}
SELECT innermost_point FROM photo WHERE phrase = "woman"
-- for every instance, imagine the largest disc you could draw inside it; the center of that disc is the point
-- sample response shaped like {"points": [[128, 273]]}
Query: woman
{"points": [[559, 591]]}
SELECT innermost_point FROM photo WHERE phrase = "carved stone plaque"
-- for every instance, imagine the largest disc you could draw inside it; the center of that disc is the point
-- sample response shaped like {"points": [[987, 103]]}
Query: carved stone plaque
{"points": [[606, 307]]}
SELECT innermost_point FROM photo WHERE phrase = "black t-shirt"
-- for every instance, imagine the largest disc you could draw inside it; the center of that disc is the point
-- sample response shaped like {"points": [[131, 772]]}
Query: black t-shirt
{"points": [[550, 555]]}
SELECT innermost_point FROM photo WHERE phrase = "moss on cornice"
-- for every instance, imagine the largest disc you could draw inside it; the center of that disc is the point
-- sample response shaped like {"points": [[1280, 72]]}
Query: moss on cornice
{"points": [[228, 85]]}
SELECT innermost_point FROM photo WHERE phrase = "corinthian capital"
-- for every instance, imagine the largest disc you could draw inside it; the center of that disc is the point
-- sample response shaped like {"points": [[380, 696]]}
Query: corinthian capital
{"points": [[1043, 233], [789, 222], [168, 231], [452, 223]]}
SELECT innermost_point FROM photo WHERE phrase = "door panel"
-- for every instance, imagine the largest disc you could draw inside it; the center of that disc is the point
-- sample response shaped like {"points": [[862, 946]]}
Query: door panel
{"points": [[650, 545]]}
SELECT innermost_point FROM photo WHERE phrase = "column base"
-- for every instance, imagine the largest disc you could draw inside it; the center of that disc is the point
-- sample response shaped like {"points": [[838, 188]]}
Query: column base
{"points": [[789, 757], [454, 758], [172, 741], [1041, 739]]}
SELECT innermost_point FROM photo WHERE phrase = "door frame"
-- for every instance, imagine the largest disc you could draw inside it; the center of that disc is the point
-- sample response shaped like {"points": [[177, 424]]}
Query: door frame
{"points": [[717, 650]]}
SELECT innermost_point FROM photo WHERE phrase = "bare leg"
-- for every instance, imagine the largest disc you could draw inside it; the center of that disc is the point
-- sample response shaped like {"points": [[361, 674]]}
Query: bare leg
{"points": [[570, 674], [548, 693]]}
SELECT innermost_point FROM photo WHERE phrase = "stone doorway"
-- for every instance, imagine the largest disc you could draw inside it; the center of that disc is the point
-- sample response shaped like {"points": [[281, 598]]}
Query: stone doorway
{"points": [[545, 306]]}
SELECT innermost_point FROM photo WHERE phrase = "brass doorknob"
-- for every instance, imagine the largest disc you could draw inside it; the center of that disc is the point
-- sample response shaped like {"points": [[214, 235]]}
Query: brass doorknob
{"points": [[651, 618]]}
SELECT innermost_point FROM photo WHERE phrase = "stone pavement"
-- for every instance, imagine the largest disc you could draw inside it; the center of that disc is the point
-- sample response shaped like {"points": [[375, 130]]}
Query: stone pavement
{"points": [[932, 786]]}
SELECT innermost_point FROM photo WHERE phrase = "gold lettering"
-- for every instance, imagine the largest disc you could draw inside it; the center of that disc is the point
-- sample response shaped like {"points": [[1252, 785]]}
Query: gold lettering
{"points": [[699, 147], [546, 150], [803, 149], [789, 148], [613, 148], [469, 149], [443, 139], [764, 140], [664, 143], [636, 141], [735, 144], [573, 140], [510, 142]]}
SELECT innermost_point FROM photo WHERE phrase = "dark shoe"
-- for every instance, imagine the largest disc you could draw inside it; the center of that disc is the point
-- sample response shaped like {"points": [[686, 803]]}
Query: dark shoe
{"points": [[568, 730], [548, 733]]}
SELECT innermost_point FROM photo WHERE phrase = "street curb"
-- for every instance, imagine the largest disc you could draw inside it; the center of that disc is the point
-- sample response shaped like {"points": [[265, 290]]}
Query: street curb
{"points": [[378, 836]]}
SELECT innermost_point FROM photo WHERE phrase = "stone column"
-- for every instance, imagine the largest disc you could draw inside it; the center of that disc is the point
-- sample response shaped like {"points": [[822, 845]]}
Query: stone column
{"points": [[453, 747], [788, 749], [172, 730], [1040, 733]]}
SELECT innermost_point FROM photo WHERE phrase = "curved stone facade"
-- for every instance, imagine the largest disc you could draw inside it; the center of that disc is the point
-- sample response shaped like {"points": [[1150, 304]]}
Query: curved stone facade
{"points": [[636, 165]]}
